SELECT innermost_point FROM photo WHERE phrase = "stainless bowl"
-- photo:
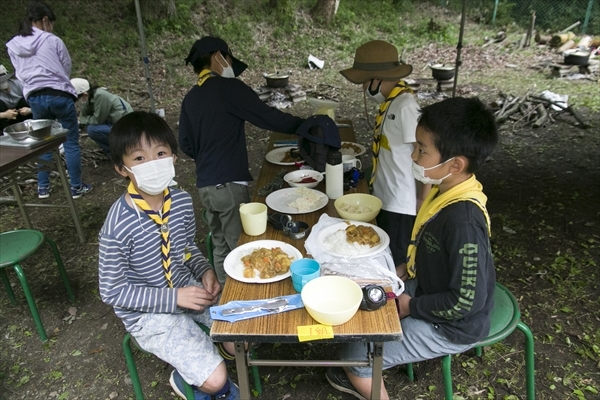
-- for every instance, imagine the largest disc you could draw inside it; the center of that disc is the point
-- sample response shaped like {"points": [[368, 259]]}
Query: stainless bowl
{"points": [[30, 129]]}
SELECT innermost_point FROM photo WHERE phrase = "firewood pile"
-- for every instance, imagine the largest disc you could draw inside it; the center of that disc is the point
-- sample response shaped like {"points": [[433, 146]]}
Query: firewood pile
{"points": [[281, 97], [580, 55], [534, 110]]}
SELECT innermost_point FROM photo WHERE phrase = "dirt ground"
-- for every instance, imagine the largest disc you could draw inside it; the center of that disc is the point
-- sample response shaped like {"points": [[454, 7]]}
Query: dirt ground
{"points": [[543, 189]]}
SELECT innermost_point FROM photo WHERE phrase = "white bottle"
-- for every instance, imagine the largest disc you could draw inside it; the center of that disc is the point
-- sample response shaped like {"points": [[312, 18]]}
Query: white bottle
{"points": [[334, 175]]}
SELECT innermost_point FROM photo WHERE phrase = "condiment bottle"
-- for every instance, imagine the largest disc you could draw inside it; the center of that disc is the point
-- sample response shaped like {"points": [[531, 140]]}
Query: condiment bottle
{"points": [[334, 175]]}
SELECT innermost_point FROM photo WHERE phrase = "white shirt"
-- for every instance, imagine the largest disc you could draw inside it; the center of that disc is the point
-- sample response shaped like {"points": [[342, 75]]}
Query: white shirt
{"points": [[394, 183]]}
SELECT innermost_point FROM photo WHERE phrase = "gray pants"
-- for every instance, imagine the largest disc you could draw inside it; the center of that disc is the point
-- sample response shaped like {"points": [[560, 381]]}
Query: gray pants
{"points": [[420, 341], [179, 341], [223, 215]]}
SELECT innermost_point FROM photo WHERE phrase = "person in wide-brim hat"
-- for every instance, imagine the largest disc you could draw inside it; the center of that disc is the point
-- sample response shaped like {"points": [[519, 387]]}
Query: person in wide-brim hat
{"points": [[376, 59], [381, 74]]}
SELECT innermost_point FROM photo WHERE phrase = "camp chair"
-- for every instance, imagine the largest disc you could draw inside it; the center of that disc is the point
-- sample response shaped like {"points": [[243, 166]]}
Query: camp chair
{"points": [[15, 247], [506, 317]]}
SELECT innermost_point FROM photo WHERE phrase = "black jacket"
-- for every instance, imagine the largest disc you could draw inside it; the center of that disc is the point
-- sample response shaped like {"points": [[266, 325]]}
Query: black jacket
{"points": [[211, 128], [455, 274]]}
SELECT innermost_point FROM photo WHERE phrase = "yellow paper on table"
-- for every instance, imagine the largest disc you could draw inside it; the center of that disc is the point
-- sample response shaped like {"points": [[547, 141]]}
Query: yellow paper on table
{"points": [[314, 332]]}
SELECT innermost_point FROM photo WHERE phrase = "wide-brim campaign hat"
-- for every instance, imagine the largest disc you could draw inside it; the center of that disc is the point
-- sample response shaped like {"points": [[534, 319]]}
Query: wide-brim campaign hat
{"points": [[210, 44], [376, 59]]}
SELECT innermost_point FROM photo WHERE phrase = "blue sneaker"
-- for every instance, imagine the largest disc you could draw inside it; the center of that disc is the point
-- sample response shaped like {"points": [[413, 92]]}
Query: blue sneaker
{"points": [[232, 394], [84, 188], [177, 381], [43, 192]]}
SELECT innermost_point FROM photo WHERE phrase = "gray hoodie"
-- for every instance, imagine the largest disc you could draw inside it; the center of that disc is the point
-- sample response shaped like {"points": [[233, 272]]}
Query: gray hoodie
{"points": [[41, 61]]}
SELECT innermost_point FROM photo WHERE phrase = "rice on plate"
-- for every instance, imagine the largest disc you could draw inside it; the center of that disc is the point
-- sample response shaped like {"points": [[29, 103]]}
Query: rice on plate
{"points": [[307, 201], [337, 241]]}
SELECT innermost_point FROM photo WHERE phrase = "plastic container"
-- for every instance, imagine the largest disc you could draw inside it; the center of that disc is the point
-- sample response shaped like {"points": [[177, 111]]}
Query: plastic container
{"points": [[334, 175]]}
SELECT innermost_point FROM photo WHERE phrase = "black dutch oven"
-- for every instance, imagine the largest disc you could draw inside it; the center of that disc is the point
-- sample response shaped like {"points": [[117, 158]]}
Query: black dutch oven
{"points": [[577, 57], [442, 72], [277, 79]]}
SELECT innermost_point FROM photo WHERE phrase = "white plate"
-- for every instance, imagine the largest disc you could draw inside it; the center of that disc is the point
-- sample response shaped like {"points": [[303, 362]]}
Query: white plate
{"points": [[279, 200], [362, 148], [234, 267], [330, 230], [276, 155]]}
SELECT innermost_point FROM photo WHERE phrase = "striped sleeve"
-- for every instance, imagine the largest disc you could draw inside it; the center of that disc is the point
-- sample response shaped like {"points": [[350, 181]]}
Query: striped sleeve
{"points": [[130, 269]]}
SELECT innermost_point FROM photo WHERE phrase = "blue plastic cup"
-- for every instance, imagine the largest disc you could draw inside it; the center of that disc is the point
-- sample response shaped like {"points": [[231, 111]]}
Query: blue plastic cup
{"points": [[304, 271]]}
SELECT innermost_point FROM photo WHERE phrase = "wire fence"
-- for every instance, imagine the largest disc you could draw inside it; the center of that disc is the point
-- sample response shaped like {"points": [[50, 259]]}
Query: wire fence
{"points": [[550, 15]]}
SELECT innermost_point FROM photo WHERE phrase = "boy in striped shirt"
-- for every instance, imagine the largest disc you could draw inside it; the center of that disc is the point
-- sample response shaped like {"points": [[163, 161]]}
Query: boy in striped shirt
{"points": [[150, 269]]}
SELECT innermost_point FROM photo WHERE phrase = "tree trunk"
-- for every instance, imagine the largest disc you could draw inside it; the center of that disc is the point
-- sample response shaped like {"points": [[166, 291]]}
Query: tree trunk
{"points": [[542, 39], [530, 30], [568, 45], [326, 10], [561, 38]]}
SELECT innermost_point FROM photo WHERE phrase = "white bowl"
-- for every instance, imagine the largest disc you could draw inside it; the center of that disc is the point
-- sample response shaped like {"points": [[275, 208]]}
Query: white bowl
{"points": [[331, 300], [294, 178]]}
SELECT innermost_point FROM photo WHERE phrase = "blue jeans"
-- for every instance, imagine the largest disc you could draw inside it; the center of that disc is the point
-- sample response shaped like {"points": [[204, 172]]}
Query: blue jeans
{"points": [[99, 134], [63, 110]]}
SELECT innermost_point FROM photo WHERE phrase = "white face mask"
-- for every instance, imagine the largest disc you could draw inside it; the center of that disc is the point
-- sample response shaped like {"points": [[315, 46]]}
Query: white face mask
{"points": [[153, 177], [377, 97], [419, 173], [227, 71]]}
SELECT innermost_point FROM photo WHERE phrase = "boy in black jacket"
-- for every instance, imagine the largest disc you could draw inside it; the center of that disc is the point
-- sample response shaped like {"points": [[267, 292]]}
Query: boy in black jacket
{"points": [[446, 306], [212, 132]]}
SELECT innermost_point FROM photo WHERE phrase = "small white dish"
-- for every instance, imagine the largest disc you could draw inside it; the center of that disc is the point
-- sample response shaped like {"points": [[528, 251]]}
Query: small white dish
{"points": [[303, 178]]}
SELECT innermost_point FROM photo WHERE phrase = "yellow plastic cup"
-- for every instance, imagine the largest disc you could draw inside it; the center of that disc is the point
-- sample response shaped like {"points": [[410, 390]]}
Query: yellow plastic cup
{"points": [[254, 218]]}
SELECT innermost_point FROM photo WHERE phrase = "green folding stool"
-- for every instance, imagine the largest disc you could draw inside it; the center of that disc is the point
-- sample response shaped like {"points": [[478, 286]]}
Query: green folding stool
{"points": [[15, 247], [505, 318]]}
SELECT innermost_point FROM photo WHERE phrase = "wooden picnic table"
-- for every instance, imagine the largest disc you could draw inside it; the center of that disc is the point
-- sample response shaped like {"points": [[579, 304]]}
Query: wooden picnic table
{"points": [[376, 327]]}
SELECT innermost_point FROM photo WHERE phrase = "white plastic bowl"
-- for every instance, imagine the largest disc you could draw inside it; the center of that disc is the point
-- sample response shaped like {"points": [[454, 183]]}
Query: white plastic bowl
{"points": [[331, 300], [293, 178]]}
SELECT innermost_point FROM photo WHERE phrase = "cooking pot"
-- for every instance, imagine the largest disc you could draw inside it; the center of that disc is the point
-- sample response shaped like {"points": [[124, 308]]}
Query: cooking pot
{"points": [[442, 72], [577, 57], [277, 79]]}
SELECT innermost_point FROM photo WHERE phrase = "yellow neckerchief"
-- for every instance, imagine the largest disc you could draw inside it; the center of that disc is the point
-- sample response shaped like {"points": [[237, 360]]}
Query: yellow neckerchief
{"points": [[204, 75], [469, 190], [400, 88], [161, 220]]}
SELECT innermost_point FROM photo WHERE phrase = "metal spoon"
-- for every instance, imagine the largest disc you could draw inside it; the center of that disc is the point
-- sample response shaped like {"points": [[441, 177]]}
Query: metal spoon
{"points": [[270, 305]]}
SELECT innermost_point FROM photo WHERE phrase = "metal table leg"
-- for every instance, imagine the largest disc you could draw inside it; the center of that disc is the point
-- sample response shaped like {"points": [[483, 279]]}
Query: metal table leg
{"points": [[19, 197], [377, 373], [242, 370]]}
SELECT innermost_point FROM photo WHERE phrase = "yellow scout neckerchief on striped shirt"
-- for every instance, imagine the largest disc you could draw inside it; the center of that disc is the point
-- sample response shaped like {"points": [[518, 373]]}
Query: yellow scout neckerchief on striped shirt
{"points": [[469, 190], [400, 88], [161, 220]]}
